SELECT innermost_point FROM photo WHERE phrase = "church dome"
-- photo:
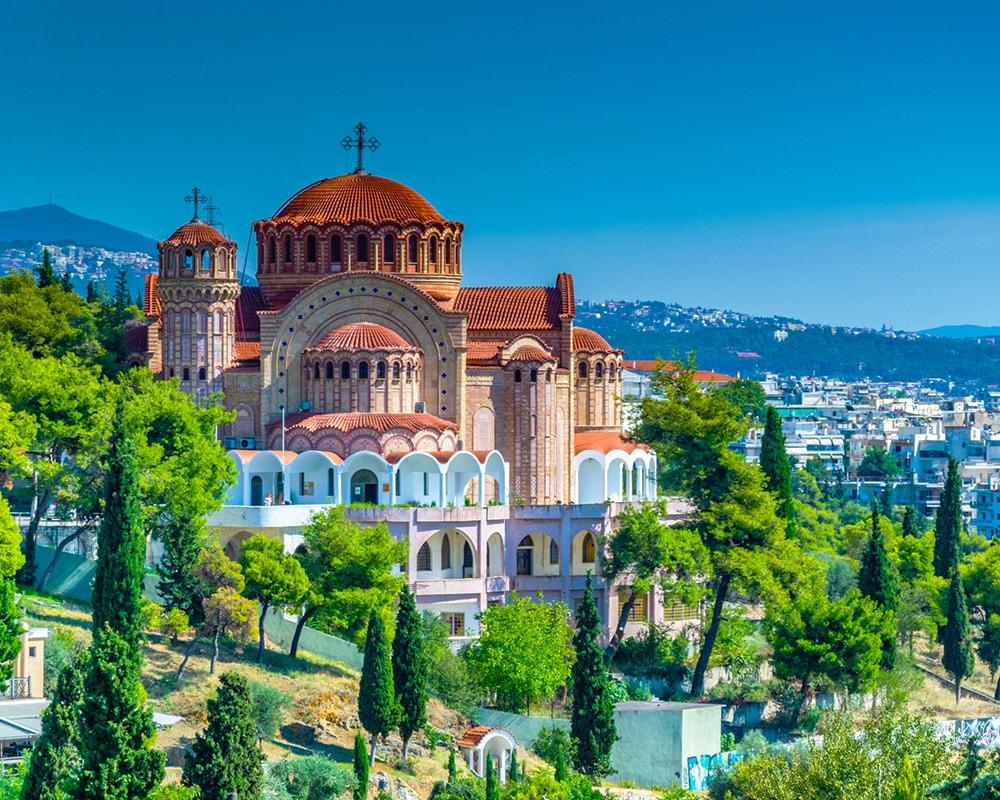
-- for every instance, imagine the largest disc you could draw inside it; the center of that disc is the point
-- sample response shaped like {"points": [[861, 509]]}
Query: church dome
{"points": [[588, 341], [357, 197], [361, 336], [193, 234]]}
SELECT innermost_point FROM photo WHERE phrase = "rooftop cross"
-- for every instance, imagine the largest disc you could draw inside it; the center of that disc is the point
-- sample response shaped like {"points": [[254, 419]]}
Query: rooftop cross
{"points": [[360, 143], [195, 197], [211, 211]]}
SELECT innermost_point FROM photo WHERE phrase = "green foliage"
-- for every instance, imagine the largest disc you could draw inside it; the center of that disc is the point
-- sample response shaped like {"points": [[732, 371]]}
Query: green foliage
{"points": [[522, 655], [11, 557], [226, 756], [979, 778], [174, 791], [747, 396], [55, 756], [877, 581], [273, 578], [409, 668], [377, 706], [465, 788], [958, 659], [877, 462], [777, 470], [512, 769], [737, 647], [307, 778], [10, 628], [910, 521], [948, 525], [61, 648], [552, 740], [492, 784], [657, 652], [593, 724], [561, 772], [449, 676], [361, 767], [452, 767], [268, 707], [46, 272]]}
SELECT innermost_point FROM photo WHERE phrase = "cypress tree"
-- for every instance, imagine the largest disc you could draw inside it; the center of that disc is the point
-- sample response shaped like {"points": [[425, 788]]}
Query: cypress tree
{"points": [[877, 581], [561, 772], [46, 273], [55, 756], [452, 767], [593, 723], [409, 668], [182, 541], [226, 757], [512, 767], [909, 521], [492, 787], [361, 767], [958, 659], [377, 707], [92, 295], [885, 500], [774, 462], [948, 525], [66, 282]]}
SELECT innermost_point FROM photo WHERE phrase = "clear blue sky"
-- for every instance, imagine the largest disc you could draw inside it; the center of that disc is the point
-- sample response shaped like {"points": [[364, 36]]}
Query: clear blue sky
{"points": [[839, 162]]}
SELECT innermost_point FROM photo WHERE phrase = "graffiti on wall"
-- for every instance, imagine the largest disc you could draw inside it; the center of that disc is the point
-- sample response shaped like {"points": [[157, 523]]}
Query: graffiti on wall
{"points": [[700, 768], [985, 731]]}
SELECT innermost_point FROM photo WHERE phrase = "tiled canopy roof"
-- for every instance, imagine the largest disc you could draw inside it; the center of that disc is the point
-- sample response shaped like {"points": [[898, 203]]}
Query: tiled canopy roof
{"points": [[588, 341], [603, 442], [361, 336], [380, 423], [194, 233], [473, 736], [357, 197], [151, 301], [484, 352]]}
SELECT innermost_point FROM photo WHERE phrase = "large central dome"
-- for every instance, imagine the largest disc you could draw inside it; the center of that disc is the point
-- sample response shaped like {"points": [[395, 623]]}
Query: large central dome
{"points": [[347, 199]]}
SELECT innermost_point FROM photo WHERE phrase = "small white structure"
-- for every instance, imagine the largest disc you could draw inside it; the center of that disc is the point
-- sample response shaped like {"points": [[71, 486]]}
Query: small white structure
{"points": [[480, 742]]}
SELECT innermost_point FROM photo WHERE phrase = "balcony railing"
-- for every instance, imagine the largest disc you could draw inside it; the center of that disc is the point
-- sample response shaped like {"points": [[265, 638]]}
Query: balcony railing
{"points": [[16, 688]]}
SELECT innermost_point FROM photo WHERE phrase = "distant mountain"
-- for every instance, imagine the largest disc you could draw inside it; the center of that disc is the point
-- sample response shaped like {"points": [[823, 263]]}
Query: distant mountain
{"points": [[963, 331], [53, 224]]}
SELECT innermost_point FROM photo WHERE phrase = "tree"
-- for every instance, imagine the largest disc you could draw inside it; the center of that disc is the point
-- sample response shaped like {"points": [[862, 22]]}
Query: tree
{"points": [[492, 786], [877, 462], [910, 522], [55, 755], [561, 772], [958, 659], [877, 581], [361, 767], [747, 396], [66, 282], [512, 767], [948, 525], [593, 723], [46, 272], [377, 707], [409, 668], [522, 654], [227, 613], [979, 778], [92, 294], [10, 628], [350, 574], [452, 768], [226, 756], [307, 778], [643, 549], [774, 463], [273, 578], [906, 784]]}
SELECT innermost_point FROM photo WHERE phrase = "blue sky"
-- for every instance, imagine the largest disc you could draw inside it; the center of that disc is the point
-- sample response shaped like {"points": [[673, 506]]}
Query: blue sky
{"points": [[839, 162]]}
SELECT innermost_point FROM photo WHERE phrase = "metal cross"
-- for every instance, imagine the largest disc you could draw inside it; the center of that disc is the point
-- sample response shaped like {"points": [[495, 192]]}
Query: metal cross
{"points": [[211, 211], [195, 197], [360, 143]]}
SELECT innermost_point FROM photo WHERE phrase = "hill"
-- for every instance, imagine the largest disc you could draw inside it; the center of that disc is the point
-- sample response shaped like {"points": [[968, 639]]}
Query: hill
{"points": [[962, 331], [53, 224]]}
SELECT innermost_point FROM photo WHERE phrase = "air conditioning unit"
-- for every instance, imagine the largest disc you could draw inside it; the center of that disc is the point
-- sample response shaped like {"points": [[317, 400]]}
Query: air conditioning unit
{"points": [[229, 443], [420, 407], [248, 443]]}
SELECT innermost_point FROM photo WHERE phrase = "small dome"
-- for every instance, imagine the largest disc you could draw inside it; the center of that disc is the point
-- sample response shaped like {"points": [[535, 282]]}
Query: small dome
{"points": [[346, 199], [587, 341], [194, 233], [365, 336], [529, 352]]}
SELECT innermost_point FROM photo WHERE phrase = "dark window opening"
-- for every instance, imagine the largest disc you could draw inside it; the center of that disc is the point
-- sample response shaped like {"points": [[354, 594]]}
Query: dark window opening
{"points": [[311, 249], [363, 371], [380, 370], [411, 247], [345, 370], [363, 248], [288, 248], [335, 250], [389, 248]]}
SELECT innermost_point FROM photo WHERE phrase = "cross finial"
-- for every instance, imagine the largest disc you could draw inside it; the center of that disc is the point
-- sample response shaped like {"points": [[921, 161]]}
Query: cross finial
{"points": [[211, 211], [196, 196], [360, 143]]}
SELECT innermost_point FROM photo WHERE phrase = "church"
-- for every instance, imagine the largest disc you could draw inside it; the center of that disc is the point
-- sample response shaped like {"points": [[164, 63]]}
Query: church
{"points": [[480, 423]]}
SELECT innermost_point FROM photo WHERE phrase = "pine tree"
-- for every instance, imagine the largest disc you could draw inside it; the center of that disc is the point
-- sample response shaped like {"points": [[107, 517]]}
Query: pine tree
{"points": [[182, 541], [55, 755], [561, 772], [66, 282], [877, 581], [593, 723], [774, 462], [226, 757], [377, 707], [909, 521], [361, 767], [492, 787], [92, 295], [906, 783], [958, 659], [452, 767], [46, 273], [512, 767], [409, 668], [948, 526]]}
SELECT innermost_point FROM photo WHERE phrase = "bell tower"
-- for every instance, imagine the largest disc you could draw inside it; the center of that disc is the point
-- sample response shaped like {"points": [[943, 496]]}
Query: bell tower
{"points": [[197, 289]]}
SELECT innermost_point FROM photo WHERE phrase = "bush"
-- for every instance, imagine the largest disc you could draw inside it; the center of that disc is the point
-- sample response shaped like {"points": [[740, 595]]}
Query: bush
{"points": [[637, 689], [405, 765], [810, 719], [655, 653], [60, 648], [738, 692], [550, 740], [789, 701], [728, 742], [462, 789], [268, 708], [618, 691], [307, 778], [449, 677], [435, 738]]}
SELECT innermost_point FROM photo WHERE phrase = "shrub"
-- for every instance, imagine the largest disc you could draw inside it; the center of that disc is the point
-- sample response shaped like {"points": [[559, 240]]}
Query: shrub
{"points": [[268, 708], [810, 719], [435, 738], [550, 740], [307, 778], [728, 742], [789, 701], [655, 653], [60, 648], [449, 677], [618, 690], [637, 689], [462, 789], [738, 692], [405, 765]]}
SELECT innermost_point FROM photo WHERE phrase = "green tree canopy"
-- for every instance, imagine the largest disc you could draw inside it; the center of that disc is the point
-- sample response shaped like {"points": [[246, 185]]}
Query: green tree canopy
{"points": [[273, 578], [958, 659], [377, 707], [776, 467], [747, 396], [877, 462], [409, 668]]}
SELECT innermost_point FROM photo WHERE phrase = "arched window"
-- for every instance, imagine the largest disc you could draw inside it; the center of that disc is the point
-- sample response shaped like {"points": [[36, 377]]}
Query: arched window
{"points": [[598, 370], [424, 558], [206, 260], [411, 248], [171, 263], [380, 370], [446, 552], [345, 370], [524, 553], [409, 372], [582, 369], [517, 376], [548, 376], [553, 552], [395, 370], [217, 321], [363, 371], [311, 249], [389, 248], [188, 259], [611, 372], [589, 549], [272, 249], [363, 248], [335, 249], [447, 251], [433, 250], [329, 369], [201, 373], [168, 322], [185, 374], [288, 248], [534, 376], [316, 371]]}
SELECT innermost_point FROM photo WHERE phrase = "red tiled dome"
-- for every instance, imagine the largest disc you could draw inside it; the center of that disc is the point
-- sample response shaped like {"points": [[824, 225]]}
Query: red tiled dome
{"points": [[588, 341], [194, 233], [529, 352], [361, 336], [357, 197]]}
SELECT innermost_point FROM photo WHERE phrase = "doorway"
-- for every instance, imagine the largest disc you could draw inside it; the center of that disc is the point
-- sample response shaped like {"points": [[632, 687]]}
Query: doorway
{"points": [[256, 491], [364, 487]]}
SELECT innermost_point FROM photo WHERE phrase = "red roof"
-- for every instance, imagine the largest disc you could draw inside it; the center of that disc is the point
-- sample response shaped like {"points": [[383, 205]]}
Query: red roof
{"points": [[194, 233], [137, 337], [587, 341], [484, 352], [473, 736], [246, 351], [361, 336], [352, 421], [700, 375], [603, 442], [357, 197], [151, 300], [510, 308], [530, 352], [248, 303]]}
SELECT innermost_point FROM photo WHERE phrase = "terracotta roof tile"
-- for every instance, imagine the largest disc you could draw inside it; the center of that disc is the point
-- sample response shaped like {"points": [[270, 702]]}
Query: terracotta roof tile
{"points": [[480, 353], [603, 442], [246, 351], [529, 352], [354, 198], [361, 336], [473, 736], [587, 341], [194, 233], [137, 337], [510, 308], [151, 300], [567, 299], [700, 376], [352, 421]]}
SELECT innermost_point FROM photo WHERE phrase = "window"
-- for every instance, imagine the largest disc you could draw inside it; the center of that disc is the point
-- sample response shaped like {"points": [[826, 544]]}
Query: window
{"points": [[363, 371], [201, 373], [676, 611], [411, 249], [447, 251], [433, 254], [455, 620], [272, 249], [534, 376], [345, 370], [424, 558], [598, 371], [445, 551], [186, 374], [553, 552], [582, 370], [206, 260], [409, 372], [517, 376], [589, 549], [32, 652], [395, 370], [316, 371], [426, 476], [311, 249], [329, 369], [389, 248], [363, 248], [611, 372], [188, 259], [380, 370], [288, 248], [335, 249], [640, 609], [524, 551]]}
